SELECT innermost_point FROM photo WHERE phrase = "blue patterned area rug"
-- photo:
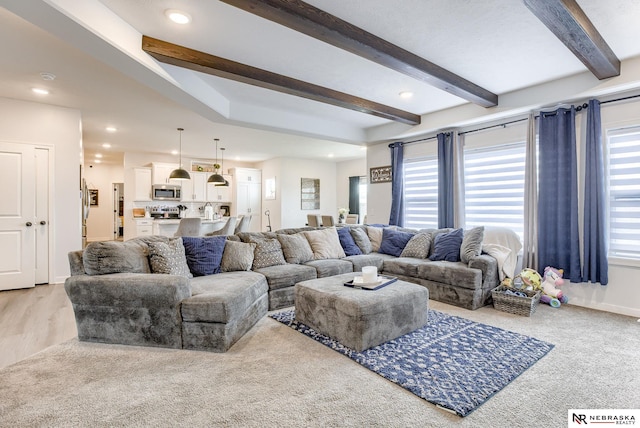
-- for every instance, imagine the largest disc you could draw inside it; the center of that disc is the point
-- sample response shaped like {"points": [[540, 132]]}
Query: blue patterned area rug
{"points": [[452, 362]]}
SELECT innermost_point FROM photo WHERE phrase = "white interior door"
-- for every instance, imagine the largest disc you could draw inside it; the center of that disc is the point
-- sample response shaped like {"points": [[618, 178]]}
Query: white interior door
{"points": [[17, 216]]}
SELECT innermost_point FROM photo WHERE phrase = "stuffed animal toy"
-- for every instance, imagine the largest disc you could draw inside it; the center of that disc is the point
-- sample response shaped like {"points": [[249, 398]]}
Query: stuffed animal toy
{"points": [[550, 294], [528, 279]]}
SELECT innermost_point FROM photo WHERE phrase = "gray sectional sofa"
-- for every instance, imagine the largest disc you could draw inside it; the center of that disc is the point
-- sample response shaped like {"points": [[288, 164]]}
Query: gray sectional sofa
{"points": [[141, 292]]}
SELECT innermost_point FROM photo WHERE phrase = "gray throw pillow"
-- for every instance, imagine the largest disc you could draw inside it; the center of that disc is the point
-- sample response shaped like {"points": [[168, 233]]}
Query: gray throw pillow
{"points": [[169, 258], [418, 246], [296, 248], [268, 252], [471, 244], [237, 256], [104, 257], [375, 236], [362, 239], [325, 243]]}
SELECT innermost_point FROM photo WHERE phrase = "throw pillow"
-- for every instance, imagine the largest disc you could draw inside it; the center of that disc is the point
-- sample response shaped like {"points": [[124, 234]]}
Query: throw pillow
{"points": [[325, 243], [101, 258], [393, 241], [347, 242], [375, 236], [447, 246], [204, 254], [361, 239], [418, 246], [168, 258], [237, 256], [268, 252], [296, 248], [471, 244]]}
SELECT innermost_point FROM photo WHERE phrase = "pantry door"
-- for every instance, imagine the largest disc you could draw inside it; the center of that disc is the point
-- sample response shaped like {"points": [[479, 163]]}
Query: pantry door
{"points": [[18, 227]]}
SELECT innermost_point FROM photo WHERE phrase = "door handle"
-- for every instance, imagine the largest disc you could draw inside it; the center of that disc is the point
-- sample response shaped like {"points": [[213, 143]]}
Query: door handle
{"points": [[43, 222], [29, 224]]}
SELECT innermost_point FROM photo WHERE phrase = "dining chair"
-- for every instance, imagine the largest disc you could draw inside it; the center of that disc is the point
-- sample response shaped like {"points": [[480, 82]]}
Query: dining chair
{"points": [[352, 219], [327, 221], [227, 229], [313, 220], [188, 227], [243, 224]]}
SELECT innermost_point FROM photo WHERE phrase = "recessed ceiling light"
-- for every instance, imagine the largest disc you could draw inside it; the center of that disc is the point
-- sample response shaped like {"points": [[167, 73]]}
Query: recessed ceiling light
{"points": [[98, 161], [111, 129], [406, 94], [174, 152], [178, 16], [106, 145], [98, 155], [40, 91]]}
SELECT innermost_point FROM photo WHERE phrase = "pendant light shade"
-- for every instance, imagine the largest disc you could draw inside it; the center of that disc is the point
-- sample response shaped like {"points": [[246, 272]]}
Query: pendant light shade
{"points": [[226, 183], [215, 177], [180, 174]]}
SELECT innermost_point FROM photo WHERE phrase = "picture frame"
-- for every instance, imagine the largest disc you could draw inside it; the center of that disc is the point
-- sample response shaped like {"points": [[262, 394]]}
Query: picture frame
{"points": [[380, 174], [310, 193], [93, 197]]}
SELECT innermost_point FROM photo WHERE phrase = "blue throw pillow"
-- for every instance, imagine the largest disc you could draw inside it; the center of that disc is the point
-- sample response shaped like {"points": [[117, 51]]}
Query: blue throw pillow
{"points": [[447, 246], [348, 243], [394, 241], [204, 254]]}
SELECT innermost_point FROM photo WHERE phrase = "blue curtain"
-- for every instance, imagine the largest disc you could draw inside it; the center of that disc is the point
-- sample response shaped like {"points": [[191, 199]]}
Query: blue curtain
{"points": [[397, 185], [446, 182], [558, 231], [596, 267]]}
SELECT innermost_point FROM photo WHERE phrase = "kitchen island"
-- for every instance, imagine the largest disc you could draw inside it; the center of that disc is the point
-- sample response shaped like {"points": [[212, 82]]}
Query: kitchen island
{"points": [[169, 226]]}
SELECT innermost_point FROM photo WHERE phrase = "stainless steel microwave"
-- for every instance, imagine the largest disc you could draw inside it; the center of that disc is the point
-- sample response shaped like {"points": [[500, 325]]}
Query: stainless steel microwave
{"points": [[166, 192]]}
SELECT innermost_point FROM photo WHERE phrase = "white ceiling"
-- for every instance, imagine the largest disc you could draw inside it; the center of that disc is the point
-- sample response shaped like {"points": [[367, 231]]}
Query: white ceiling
{"points": [[93, 48]]}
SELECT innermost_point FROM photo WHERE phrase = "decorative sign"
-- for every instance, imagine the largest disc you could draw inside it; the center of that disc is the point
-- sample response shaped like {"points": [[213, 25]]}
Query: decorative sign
{"points": [[93, 196], [380, 174]]}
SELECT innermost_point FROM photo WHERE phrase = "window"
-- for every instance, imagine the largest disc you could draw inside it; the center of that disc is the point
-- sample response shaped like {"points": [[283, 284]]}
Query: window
{"points": [[494, 186], [421, 193], [624, 193], [362, 202]]}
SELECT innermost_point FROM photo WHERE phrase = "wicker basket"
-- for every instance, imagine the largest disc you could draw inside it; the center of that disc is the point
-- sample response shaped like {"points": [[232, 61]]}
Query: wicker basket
{"points": [[518, 305]]}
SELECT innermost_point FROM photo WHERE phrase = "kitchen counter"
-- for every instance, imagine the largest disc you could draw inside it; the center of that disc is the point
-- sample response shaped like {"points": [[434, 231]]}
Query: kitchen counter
{"points": [[169, 226]]}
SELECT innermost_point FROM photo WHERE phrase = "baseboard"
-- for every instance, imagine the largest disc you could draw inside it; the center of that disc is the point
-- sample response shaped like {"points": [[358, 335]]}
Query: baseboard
{"points": [[606, 307]]}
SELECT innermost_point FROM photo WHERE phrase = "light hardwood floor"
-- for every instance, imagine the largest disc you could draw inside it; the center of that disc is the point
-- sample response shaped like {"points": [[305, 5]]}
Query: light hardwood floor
{"points": [[34, 319]]}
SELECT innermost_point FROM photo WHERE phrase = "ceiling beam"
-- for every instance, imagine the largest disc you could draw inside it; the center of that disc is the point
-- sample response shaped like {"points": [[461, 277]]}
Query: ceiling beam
{"points": [[571, 25], [314, 22], [180, 56]]}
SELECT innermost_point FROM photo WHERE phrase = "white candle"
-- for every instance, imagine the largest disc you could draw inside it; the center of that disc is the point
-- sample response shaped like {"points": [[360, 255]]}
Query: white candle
{"points": [[369, 274]]}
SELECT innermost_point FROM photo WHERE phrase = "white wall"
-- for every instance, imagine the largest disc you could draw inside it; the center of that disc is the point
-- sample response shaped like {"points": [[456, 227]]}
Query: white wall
{"points": [[273, 169], [101, 177], [378, 194], [33, 123]]}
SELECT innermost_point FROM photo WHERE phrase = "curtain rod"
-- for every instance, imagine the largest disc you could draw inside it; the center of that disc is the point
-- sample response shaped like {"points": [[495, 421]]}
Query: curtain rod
{"points": [[581, 107]]}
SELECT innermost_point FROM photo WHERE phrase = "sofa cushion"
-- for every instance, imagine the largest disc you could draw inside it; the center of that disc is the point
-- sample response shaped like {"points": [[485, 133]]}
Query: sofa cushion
{"points": [[404, 266], [101, 258], [204, 254], [447, 246], [287, 275], [393, 241], [268, 252], [361, 239], [418, 246], [471, 244], [348, 244], [222, 298], [375, 236], [330, 267], [361, 260], [325, 243], [169, 258], [295, 247], [237, 256], [456, 274]]}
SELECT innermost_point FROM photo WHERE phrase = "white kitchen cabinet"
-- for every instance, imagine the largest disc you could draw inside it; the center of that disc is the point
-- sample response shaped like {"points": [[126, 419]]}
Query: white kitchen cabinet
{"points": [[161, 172], [247, 195], [220, 194], [144, 227], [142, 184]]}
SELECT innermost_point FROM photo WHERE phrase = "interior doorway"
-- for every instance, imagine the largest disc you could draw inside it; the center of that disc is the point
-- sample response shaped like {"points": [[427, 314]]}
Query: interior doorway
{"points": [[118, 211]]}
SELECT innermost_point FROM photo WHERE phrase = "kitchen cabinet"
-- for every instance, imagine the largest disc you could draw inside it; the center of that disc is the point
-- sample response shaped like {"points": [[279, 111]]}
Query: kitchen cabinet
{"points": [[144, 227], [247, 195], [161, 171], [220, 194], [142, 184]]}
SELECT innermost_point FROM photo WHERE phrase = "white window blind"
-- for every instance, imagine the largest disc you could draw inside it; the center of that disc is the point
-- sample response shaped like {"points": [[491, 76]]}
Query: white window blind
{"points": [[624, 193], [421, 193], [494, 186]]}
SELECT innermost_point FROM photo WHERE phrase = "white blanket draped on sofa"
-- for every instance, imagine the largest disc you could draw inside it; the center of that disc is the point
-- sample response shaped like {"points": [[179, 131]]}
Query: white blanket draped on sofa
{"points": [[504, 245]]}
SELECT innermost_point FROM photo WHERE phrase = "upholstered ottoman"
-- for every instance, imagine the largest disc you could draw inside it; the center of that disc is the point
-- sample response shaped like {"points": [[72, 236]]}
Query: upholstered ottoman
{"points": [[360, 319]]}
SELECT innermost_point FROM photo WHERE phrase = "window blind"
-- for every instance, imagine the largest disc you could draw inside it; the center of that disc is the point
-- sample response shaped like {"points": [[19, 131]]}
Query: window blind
{"points": [[421, 193]]}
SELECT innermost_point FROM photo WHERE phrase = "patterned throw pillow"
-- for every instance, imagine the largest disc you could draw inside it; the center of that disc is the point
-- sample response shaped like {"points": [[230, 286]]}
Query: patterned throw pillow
{"points": [[204, 254], [325, 243], [268, 252], [447, 246], [348, 243], [361, 239], [237, 256], [168, 258], [418, 246], [296, 248], [394, 241], [471, 244]]}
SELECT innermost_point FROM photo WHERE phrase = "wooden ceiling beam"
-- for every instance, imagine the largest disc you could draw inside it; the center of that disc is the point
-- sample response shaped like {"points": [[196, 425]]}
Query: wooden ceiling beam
{"points": [[180, 56], [567, 20], [314, 22]]}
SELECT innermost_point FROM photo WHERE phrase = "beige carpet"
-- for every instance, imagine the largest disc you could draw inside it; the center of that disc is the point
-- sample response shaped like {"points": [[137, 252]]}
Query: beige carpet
{"points": [[276, 376]]}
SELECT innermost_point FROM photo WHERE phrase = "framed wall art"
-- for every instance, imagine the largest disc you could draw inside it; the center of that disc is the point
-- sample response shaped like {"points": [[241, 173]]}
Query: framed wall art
{"points": [[380, 174], [93, 197]]}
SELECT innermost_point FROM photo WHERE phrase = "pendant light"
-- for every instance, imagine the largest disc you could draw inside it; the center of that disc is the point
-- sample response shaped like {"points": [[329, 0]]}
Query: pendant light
{"points": [[180, 174], [215, 177], [226, 182]]}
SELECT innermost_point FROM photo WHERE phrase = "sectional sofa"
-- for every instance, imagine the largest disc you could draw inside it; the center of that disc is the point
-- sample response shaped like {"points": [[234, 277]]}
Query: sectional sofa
{"points": [[205, 293]]}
